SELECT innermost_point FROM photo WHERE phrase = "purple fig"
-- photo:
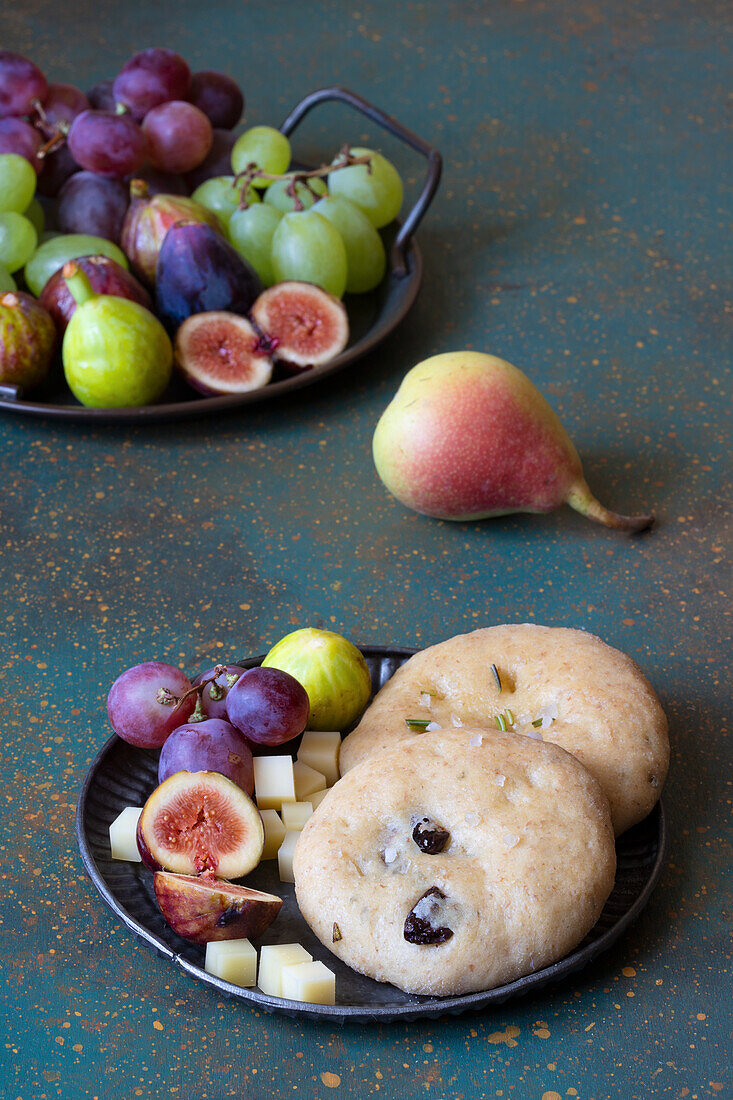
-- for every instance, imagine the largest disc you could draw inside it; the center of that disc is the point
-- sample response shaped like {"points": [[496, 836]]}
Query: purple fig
{"points": [[304, 325], [147, 222], [27, 338], [220, 353], [105, 276], [209, 746], [197, 272], [207, 908]]}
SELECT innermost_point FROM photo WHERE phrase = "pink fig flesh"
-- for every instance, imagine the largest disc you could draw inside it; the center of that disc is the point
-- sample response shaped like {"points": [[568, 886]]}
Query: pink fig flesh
{"points": [[198, 822], [205, 909], [468, 436], [220, 352], [304, 325]]}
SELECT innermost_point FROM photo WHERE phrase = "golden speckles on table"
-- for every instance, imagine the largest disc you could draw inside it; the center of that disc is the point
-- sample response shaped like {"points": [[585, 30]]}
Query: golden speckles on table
{"points": [[508, 1035], [330, 1080]]}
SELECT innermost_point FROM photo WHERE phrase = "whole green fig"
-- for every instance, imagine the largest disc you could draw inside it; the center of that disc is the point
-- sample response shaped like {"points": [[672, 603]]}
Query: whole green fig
{"points": [[27, 338], [115, 352]]}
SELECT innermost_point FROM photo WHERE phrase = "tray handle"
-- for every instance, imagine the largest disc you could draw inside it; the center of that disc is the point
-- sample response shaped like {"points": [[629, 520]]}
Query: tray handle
{"points": [[434, 159]]}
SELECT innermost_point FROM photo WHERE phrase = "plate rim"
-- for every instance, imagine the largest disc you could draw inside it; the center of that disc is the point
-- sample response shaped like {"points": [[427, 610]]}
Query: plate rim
{"points": [[431, 1007]]}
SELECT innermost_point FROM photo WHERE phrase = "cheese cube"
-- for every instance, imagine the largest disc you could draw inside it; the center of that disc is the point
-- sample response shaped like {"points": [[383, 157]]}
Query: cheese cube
{"points": [[123, 835], [320, 749], [233, 960], [295, 814], [317, 798], [274, 782], [285, 856], [309, 981], [274, 832], [273, 957], [307, 780]]}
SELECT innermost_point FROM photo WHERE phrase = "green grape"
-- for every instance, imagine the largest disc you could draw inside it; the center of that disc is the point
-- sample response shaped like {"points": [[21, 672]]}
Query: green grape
{"points": [[54, 253], [308, 248], [34, 214], [265, 147], [18, 240], [365, 257], [251, 232], [7, 282], [222, 195], [378, 193], [277, 197], [17, 182]]}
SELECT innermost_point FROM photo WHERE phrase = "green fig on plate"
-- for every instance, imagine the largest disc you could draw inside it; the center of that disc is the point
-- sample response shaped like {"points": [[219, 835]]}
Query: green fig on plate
{"points": [[115, 352], [332, 671]]}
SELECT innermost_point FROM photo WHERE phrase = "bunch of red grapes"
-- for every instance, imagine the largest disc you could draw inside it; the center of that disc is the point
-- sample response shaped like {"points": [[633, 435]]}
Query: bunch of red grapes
{"points": [[156, 120]]}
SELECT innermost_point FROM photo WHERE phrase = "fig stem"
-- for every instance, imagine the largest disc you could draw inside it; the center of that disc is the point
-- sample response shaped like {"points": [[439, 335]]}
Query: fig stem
{"points": [[138, 189], [582, 500], [78, 283], [252, 172]]}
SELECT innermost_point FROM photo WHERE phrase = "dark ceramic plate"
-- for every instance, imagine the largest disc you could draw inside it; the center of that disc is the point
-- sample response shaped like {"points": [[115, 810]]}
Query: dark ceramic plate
{"points": [[372, 316], [124, 776]]}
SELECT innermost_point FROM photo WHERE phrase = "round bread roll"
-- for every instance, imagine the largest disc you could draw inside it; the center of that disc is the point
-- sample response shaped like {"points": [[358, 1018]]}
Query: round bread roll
{"points": [[585, 696], [457, 862]]}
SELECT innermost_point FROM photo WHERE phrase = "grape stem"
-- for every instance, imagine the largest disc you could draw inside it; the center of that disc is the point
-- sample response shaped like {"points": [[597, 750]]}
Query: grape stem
{"points": [[55, 133], [168, 699], [344, 159]]}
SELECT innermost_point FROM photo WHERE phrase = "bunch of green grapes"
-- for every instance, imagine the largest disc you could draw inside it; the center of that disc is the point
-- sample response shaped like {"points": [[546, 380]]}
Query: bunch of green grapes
{"points": [[326, 233]]}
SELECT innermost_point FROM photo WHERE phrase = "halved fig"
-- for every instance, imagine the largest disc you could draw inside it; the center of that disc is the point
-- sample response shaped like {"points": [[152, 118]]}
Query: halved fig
{"points": [[219, 352], [302, 324], [198, 822], [207, 908]]}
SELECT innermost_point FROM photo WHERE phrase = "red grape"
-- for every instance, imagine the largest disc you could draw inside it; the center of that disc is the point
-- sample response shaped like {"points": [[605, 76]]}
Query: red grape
{"points": [[92, 204], [150, 78], [209, 746], [112, 145], [268, 706], [62, 104], [101, 97], [179, 136], [20, 137], [218, 162], [135, 713], [219, 97], [217, 707], [57, 167], [21, 82]]}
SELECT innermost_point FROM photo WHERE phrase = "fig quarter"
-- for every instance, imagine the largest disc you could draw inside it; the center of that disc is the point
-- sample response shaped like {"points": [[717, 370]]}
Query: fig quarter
{"points": [[207, 908]]}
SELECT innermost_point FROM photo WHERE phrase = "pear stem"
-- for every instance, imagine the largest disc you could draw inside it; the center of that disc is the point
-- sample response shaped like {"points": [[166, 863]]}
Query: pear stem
{"points": [[78, 283], [582, 500]]}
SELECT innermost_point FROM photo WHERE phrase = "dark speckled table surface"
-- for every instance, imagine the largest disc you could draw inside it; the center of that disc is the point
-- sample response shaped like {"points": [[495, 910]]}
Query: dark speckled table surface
{"points": [[582, 231]]}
